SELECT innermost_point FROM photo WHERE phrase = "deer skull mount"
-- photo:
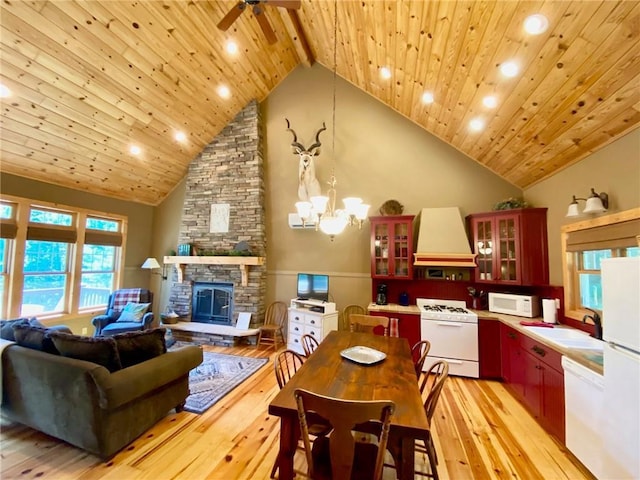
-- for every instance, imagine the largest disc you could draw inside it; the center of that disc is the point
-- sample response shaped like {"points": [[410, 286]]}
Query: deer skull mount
{"points": [[308, 185]]}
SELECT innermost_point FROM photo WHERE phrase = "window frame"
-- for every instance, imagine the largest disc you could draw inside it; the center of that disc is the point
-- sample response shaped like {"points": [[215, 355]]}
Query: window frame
{"points": [[13, 290], [570, 262]]}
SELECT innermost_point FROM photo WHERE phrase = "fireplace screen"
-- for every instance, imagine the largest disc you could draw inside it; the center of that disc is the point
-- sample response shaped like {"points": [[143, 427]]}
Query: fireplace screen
{"points": [[212, 303]]}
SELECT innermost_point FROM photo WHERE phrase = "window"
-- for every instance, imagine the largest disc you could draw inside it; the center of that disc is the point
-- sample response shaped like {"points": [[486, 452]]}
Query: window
{"points": [[7, 233], [69, 262], [589, 279], [99, 262], [585, 245]]}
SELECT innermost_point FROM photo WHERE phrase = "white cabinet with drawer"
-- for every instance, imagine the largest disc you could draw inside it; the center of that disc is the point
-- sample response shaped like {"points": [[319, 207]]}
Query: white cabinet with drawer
{"points": [[302, 320]]}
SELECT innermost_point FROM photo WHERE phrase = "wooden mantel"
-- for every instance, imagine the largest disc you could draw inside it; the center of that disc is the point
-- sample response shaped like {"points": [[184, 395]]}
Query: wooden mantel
{"points": [[242, 262]]}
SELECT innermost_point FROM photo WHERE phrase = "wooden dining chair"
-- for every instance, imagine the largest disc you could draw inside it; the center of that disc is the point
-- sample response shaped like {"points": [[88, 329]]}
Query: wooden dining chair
{"points": [[419, 354], [346, 313], [432, 382], [431, 385], [286, 364], [337, 455], [368, 323], [272, 331], [309, 344]]}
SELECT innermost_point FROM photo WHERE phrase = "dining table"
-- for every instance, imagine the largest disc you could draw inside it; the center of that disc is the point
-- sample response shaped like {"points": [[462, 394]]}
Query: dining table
{"points": [[336, 369]]}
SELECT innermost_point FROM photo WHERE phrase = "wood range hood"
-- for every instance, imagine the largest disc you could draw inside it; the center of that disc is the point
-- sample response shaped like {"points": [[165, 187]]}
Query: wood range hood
{"points": [[442, 239]]}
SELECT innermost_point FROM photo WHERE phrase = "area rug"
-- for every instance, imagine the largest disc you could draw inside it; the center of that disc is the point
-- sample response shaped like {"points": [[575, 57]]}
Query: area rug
{"points": [[217, 375]]}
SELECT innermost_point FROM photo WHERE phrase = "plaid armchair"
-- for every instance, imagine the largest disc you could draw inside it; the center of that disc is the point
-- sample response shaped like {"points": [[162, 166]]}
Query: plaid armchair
{"points": [[108, 323]]}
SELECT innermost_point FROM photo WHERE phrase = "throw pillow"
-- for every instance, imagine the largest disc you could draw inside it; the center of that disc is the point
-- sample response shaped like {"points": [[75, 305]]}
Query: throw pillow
{"points": [[6, 328], [138, 347], [36, 338], [133, 312], [100, 350]]}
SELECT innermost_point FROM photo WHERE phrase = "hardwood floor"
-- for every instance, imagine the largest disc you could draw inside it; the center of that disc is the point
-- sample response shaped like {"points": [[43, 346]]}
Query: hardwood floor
{"points": [[480, 432]]}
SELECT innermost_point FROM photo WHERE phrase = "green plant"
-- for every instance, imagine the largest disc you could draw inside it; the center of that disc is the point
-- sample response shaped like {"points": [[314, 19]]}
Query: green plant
{"points": [[510, 203]]}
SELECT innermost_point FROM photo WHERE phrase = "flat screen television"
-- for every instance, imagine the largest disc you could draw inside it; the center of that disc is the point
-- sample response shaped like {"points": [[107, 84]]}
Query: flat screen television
{"points": [[313, 287]]}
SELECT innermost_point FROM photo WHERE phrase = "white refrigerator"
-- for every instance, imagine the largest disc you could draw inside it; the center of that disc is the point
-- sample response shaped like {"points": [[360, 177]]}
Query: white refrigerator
{"points": [[621, 330]]}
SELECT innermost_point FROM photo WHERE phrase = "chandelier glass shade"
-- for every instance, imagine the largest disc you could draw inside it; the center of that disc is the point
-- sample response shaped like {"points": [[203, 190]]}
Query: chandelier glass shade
{"points": [[322, 211]]}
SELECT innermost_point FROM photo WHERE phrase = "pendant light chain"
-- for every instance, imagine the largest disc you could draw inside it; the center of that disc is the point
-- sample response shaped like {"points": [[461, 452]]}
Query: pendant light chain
{"points": [[335, 69]]}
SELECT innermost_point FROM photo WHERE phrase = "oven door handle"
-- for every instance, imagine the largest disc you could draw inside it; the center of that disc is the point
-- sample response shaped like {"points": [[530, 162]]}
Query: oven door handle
{"points": [[449, 324]]}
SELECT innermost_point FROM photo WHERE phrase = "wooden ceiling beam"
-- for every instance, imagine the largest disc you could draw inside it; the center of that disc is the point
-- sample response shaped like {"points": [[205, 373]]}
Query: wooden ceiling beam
{"points": [[294, 28]]}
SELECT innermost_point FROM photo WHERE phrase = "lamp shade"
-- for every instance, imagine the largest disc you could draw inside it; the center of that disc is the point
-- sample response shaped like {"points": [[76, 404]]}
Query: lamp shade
{"points": [[595, 203], [573, 210], [150, 263]]}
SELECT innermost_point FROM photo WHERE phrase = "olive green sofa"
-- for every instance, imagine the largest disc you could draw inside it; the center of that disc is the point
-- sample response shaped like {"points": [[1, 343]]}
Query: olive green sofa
{"points": [[85, 404]]}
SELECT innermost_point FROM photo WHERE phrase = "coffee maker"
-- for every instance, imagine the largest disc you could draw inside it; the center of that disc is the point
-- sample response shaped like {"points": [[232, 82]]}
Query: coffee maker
{"points": [[381, 297]]}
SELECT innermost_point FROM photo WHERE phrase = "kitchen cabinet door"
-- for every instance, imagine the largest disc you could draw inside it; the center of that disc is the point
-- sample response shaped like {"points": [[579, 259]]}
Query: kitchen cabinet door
{"points": [[392, 247], [552, 402], [489, 348], [532, 393], [544, 386], [511, 246]]}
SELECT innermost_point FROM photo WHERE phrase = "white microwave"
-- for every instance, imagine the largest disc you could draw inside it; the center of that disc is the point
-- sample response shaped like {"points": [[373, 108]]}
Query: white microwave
{"points": [[511, 304]]}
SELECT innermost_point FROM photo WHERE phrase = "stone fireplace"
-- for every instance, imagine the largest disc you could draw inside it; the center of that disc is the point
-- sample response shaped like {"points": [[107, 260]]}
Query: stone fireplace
{"points": [[228, 171]]}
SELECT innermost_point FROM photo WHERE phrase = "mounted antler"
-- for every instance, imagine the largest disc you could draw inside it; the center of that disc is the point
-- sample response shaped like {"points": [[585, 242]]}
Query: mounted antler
{"points": [[308, 185]]}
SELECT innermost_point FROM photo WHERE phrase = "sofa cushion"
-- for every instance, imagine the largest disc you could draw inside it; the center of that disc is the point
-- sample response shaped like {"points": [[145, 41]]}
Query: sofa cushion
{"points": [[6, 327], [36, 338], [100, 350], [133, 312], [137, 347]]}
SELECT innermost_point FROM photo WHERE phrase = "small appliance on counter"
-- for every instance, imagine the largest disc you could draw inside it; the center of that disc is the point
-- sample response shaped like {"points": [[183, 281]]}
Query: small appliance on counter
{"points": [[381, 297], [512, 304], [403, 299]]}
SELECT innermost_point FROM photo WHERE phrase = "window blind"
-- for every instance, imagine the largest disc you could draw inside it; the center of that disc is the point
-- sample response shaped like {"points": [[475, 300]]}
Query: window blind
{"points": [[615, 235]]}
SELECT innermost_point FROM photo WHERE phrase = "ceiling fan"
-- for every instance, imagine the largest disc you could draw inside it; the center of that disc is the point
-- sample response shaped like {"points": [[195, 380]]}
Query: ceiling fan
{"points": [[258, 11]]}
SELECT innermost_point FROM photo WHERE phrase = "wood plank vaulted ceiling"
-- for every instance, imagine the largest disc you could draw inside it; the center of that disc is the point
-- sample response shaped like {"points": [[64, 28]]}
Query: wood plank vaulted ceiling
{"points": [[91, 77]]}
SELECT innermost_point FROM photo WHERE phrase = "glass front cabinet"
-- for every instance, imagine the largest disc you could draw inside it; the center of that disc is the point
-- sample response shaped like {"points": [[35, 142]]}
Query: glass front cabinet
{"points": [[511, 246], [392, 246]]}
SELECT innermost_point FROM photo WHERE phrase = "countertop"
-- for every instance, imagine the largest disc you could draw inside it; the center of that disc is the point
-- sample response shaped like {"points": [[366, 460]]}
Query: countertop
{"points": [[588, 358]]}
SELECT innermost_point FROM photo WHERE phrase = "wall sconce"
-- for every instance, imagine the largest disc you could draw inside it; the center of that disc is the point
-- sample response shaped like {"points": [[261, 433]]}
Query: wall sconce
{"points": [[152, 264], [596, 203]]}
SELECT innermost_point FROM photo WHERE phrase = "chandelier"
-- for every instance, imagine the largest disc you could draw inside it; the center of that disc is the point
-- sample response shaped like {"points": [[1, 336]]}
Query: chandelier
{"points": [[321, 209]]}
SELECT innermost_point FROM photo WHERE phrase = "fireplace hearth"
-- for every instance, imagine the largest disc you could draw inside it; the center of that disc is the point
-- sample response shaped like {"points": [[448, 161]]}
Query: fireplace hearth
{"points": [[212, 302]]}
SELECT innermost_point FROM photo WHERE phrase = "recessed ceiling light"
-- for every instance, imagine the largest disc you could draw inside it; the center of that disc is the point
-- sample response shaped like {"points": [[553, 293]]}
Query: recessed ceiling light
{"points": [[476, 124], [536, 24], [385, 73], [509, 69], [134, 150], [427, 97], [490, 101], [180, 136], [224, 91], [4, 91], [231, 47]]}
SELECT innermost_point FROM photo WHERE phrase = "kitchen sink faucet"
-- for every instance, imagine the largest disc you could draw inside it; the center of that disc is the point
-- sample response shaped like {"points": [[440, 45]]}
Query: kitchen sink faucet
{"points": [[597, 322]]}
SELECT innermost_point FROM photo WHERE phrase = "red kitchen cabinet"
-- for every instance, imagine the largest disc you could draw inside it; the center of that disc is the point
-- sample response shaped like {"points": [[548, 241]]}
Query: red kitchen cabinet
{"points": [[544, 387], [408, 325], [392, 247], [511, 246], [512, 361], [533, 373], [489, 348]]}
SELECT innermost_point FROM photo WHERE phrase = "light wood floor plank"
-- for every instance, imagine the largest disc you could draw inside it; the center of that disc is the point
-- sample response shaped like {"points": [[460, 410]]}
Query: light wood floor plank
{"points": [[480, 432]]}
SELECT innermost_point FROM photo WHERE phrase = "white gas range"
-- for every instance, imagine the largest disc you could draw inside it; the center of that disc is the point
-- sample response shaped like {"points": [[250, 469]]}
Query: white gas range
{"points": [[453, 333]]}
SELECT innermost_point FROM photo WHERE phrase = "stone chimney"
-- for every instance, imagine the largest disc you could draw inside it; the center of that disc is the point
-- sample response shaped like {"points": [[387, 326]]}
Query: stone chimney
{"points": [[228, 171]]}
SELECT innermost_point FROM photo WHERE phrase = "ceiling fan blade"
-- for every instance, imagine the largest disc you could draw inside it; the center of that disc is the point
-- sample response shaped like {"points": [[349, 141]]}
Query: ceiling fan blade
{"points": [[265, 25], [230, 17], [290, 4]]}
